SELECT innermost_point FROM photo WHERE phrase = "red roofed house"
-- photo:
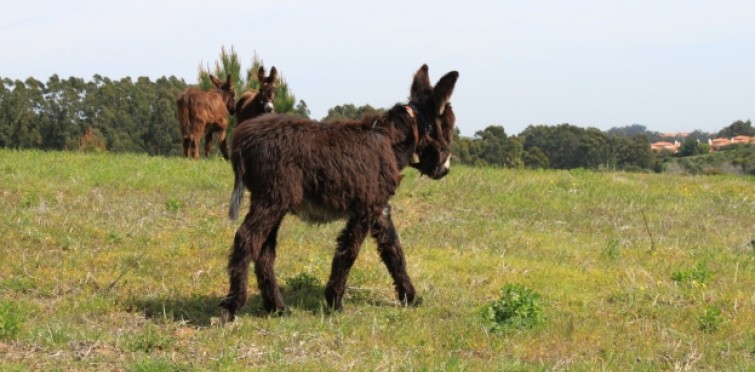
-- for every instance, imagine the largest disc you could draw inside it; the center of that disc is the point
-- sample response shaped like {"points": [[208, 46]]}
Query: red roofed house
{"points": [[718, 143], [663, 145], [743, 139]]}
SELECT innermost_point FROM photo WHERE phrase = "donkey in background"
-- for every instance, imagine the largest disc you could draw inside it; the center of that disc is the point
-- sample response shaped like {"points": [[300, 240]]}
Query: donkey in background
{"points": [[327, 171], [204, 113], [251, 103]]}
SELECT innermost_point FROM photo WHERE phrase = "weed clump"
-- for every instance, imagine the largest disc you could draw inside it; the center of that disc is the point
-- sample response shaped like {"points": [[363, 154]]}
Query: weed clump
{"points": [[517, 308], [11, 319], [710, 319], [173, 205], [151, 338], [697, 274], [303, 281]]}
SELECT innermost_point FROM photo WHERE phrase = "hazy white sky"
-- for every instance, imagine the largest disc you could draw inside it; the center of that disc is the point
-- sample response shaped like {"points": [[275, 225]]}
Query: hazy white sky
{"points": [[671, 65]]}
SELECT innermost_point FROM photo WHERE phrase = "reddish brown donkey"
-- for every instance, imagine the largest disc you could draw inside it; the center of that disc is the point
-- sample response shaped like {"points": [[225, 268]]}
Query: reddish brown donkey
{"points": [[203, 113], [322, 172], [251, 104]]}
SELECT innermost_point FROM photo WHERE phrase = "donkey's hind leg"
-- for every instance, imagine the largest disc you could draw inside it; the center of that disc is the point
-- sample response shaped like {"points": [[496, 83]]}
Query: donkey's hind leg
{"points": [[208, 142], [186, 142], [392, 255], [349, 242], [254, 240], [195, 147], [264, 269], [223, 144]]}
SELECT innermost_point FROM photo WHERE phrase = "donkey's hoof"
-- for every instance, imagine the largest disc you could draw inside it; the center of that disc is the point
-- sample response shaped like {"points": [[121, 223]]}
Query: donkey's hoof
{"points": [[416, 302], [226, 316], [334, 304], [410, 301], [228, 308], [334, 299], [279, 312]]}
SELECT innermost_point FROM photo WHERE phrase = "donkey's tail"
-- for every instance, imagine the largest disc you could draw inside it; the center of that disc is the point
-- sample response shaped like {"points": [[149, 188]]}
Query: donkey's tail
{"points": [[183, 113], [238, 185]]}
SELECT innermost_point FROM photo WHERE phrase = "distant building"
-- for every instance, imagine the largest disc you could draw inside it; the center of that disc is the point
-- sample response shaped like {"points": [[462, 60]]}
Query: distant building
{"points": [[743, 139], [664, 145], [718, 143]]}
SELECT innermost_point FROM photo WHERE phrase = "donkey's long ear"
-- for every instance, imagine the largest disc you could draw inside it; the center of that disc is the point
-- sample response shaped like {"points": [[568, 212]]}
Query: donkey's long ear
{"points": [[261, 74], [215, 81], [421, 85], [443, 90], [273, 75], [229, 81]]}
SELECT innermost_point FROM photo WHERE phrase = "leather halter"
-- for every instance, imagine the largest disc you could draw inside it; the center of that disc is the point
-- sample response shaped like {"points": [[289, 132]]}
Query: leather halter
{"points": [[416, 117], [411, 110]]}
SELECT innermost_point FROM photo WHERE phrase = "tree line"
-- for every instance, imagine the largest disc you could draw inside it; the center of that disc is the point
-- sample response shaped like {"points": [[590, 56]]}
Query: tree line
{"points": [[567, 146], [123, 115], [562, 146], [74, 114], [139, 115]]}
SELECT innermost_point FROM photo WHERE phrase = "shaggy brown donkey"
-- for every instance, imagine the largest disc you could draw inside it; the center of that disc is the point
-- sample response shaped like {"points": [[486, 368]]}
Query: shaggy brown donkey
{"points": [[204, 113], [252, 104], [327, 171]]}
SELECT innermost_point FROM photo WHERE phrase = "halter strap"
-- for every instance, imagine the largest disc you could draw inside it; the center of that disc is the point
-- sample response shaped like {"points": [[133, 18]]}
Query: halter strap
{"points": [[418, 119], [410, 112], [415, 114], [424, 124]]}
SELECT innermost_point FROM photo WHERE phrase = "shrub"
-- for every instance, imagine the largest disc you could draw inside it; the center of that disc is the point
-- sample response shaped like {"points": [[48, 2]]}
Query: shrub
{"points": [[518, 307]]}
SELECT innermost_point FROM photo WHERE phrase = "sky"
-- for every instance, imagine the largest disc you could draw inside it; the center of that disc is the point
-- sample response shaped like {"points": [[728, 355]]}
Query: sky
{"points": [[670, 65]]}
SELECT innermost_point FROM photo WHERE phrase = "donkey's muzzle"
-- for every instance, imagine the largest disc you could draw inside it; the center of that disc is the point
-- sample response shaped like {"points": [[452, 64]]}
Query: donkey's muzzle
{"points": [[443, 169], [440, 173]]}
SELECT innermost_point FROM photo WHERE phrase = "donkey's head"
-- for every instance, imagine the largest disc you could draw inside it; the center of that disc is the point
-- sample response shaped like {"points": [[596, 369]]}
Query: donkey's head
{"points": [[266, 93], [225, 88], [435, 122]]}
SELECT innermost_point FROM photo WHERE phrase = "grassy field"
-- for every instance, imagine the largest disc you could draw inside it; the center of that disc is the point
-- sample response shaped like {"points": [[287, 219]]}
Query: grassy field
{"points": [[117, 262]]}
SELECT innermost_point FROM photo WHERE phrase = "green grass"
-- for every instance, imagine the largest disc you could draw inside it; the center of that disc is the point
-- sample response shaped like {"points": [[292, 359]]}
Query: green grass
{"points": [[118, 262]]}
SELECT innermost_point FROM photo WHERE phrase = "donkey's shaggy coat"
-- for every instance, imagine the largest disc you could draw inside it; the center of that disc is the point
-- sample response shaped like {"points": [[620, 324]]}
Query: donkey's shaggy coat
{"points": [[327, 171], [203, 113]]}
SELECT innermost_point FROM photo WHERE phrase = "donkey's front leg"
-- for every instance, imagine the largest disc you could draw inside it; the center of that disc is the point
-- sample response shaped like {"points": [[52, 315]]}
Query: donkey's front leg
{"points": [[390, 250], [349, 242]]}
